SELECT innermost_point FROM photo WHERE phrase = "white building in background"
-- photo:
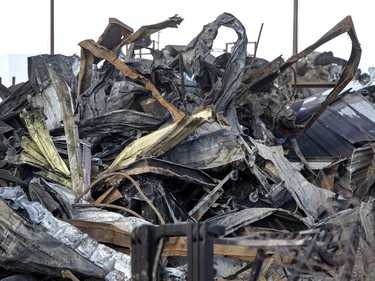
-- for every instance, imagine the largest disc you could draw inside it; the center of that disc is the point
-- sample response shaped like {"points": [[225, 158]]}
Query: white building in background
{"points": [[13, 66]]}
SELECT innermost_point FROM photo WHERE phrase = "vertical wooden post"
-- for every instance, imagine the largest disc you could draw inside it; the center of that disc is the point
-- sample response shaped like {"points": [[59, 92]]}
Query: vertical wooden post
{"points": [[70, 129]]}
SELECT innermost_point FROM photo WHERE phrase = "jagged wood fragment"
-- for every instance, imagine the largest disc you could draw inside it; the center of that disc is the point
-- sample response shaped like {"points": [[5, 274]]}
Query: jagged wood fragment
{"points": [[71, 130], [39, 133]]}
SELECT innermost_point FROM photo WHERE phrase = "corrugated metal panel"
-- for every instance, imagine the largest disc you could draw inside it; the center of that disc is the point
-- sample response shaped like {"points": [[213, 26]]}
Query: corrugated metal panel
{"points": [[320, 142], [361, 160], [357, 115], [346, 122]]}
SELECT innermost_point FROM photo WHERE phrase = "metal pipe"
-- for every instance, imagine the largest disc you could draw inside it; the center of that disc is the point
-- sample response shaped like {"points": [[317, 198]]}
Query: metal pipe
{"points": [[295, 36], [52, 27], [295, 27]]}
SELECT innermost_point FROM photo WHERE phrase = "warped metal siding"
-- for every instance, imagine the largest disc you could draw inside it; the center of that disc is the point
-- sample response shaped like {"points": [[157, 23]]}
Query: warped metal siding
{"points": [[345, 124]]}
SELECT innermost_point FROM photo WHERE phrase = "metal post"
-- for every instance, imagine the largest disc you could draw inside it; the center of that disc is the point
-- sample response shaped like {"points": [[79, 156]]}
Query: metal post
{"points": [[52, 27], [295, 27], [159, 40], [295, 36]]}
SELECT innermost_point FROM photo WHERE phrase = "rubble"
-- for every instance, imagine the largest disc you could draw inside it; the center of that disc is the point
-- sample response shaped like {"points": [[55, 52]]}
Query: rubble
{"points": [[187, 166]]}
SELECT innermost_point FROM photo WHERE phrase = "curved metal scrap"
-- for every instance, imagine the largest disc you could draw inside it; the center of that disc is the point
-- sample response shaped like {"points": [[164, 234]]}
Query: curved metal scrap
{"points": [[200, 48], [274, 69], [147, 30]]}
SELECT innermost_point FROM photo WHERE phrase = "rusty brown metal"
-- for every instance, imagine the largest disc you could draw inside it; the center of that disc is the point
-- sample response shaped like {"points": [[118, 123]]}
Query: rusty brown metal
{"points": [[345, 26], [114, 33], [111, 195], [147, 30], [85, 71]]}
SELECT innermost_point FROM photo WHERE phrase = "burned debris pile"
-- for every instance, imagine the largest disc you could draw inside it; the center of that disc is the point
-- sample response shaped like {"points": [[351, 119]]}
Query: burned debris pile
{"points": [[186, 165]]}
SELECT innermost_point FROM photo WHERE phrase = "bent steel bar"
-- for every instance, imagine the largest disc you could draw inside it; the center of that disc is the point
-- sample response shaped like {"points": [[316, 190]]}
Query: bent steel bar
{"points": [[273, 69]]}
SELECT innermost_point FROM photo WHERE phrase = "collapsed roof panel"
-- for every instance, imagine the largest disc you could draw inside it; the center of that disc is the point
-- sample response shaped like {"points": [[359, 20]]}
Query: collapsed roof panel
{"points": [[346, 123]]}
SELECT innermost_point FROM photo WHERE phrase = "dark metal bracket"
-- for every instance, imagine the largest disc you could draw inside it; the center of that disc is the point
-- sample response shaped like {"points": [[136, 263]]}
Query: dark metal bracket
{"points": [[200, 240]]}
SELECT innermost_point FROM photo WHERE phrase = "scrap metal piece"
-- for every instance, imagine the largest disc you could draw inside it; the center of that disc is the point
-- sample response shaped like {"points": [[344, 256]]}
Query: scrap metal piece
{"points": [[161, 206], [150, 166], [362, 171], [118, 121], [169, 169], [257, 265], [16, 102], [273, 69], [304, 252], [346, 123], [31, 154], [366, 214], [235, 220], [200, 249], [257, 80], [207, 201], [160, 141], [147, 30], [42, 83], [327, 177], [111, 37], [85, 71], [38, 194], [194, 55], [111, 57], [86, 163], [4, 92], [44, 234], [6, 175], [345, 26], [210, 147], [52, 197], [111, 195], [309, 198], [113, 34]]}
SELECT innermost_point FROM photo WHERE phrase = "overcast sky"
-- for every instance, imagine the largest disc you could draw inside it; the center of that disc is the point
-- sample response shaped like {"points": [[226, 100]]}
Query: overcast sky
{"points": [[25, 24]]}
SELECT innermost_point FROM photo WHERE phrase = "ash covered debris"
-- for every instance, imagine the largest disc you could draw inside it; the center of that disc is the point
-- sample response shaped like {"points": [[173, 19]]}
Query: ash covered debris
{"points": [[97, 150]]}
